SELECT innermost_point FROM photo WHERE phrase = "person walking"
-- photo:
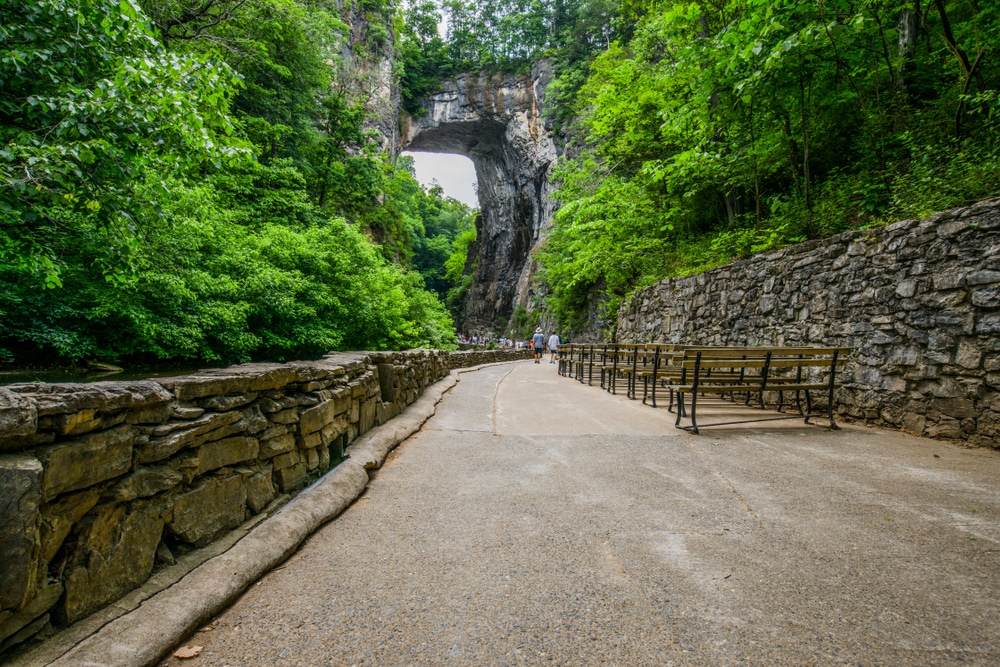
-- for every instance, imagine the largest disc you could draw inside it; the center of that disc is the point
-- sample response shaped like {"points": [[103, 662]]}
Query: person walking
{"points": [[538, 341], [553, 345]]}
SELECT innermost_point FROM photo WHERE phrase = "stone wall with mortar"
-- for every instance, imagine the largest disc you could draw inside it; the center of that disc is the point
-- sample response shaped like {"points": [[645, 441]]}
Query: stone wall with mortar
{"points": [[101, 482], [919, 301]]}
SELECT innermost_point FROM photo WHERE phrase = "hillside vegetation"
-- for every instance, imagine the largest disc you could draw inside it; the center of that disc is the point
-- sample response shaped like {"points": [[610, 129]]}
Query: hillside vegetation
{"points": [[189, 180], [700, 132]]}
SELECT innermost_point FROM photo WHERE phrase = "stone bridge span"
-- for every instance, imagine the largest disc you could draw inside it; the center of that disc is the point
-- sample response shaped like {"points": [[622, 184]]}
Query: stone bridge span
{"points": [[495, 121]]}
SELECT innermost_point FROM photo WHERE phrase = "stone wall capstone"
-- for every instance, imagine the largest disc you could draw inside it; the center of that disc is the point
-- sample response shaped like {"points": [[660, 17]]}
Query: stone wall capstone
{"points": [[100, 482], [919, 301]]}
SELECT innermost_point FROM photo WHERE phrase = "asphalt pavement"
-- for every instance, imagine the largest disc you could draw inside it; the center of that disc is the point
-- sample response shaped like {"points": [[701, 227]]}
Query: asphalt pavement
{"points": [[538, 521]]}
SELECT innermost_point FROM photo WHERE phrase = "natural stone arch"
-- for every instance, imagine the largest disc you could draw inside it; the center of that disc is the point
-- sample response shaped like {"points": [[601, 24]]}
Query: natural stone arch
{"points": [[496, 122]]}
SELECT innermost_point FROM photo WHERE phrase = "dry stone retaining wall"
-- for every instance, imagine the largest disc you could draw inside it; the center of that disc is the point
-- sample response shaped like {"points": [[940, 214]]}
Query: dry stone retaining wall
{"points": [[100, 481], [919, 301]]}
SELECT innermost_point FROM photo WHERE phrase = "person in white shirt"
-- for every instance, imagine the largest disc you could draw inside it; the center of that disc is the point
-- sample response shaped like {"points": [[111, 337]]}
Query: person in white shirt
{"points": [[553, 345]]}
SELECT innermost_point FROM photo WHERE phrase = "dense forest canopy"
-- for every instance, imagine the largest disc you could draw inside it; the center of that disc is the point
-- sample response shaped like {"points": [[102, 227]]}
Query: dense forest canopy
{"points": [[192, 180], [201, 180], [698, 132], [715, 130]]}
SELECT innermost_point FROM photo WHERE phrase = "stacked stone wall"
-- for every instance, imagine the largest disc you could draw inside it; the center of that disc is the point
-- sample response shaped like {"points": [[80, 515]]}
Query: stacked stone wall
{"points": [[918, 301], [101, 482]]}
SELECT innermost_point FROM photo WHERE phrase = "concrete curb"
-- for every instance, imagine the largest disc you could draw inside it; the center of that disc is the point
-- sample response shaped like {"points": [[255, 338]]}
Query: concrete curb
{"points": [[142, 637], [370, 449]]}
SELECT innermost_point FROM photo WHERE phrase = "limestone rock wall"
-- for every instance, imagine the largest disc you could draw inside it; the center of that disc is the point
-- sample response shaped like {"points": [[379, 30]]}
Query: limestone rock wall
{"points": [[919, 301], [100, 481], [496, 121]]}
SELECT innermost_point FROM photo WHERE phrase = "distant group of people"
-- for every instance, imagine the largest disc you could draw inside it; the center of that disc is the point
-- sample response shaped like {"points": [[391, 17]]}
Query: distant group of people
{"points": [[496, 342], [539, 343]]}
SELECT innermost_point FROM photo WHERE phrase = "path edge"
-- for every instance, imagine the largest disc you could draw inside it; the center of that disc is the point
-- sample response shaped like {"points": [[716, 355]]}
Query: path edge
{"points": [[145, 635]]}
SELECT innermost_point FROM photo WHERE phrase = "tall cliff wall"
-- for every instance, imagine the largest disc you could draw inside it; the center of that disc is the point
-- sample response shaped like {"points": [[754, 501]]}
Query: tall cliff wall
{"points": [[919, 301], [496, 121], [100, 482]]}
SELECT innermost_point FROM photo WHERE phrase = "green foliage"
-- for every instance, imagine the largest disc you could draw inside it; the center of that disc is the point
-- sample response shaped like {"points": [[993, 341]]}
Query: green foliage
{"points": [[89, 102], [421, 54], [217, 290], [709, 132], [197, 179], [460, 266]]}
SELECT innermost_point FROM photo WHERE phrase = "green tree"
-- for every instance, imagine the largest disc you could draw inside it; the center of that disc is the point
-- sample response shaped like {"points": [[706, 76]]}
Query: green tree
{"points": [[89, 104]]}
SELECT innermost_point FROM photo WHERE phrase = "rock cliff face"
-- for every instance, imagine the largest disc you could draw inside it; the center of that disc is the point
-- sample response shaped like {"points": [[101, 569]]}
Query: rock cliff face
{"points": [[496, 122]]}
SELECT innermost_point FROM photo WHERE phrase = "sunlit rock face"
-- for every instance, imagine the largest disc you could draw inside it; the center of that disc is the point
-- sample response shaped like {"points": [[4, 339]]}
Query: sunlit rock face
{"points": [[496, 122]]}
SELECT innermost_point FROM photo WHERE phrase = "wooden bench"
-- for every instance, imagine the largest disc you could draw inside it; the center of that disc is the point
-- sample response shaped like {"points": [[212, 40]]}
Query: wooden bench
{"points": [[564, 355], [755, 372], [666, 369]]}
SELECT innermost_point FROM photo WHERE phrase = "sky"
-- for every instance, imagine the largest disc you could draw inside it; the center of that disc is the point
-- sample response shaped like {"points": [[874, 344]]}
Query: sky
{"points": [[454, 173]]}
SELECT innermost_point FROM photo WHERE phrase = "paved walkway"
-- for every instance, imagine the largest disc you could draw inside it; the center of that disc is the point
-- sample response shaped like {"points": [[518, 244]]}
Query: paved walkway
{"points": [[537, 521]]}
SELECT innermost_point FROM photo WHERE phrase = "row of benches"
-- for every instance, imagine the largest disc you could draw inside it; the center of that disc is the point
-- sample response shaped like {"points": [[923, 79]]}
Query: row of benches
{"points": [[730, 373]]}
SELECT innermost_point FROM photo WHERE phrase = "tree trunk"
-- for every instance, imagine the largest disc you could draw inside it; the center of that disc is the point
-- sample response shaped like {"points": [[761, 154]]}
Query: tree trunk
{"points": [[909, 25]]}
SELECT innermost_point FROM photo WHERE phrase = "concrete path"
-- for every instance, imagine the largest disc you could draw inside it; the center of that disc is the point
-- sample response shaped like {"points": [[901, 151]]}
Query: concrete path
{"points": [[537, 521]]}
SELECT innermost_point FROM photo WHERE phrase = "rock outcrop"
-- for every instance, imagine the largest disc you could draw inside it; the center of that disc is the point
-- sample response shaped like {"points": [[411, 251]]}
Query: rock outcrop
{"points": [[496, 121]]}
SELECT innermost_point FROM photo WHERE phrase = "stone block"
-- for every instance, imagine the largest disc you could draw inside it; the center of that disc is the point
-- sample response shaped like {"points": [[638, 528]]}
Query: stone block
{"points": [[118, 560], [946, 428], [986, 298], [309, 441], [969, 355], [989, 423], [334, 429], [18, 415], [291, 478], [914, 423], [255, 419], [228, 402], [53, 399], [275, 446], [170, 438], [233, 380], [38, 606], [144, 482], [312, 458], [260, 491], [906, 288], [287, 416], [20, 496], [285, 460], [276, 403], [315, 418], [956, 408], [75, 423], [187, 411], [368, 414], [92, 459], [157, 414], [214, 506], [226, 452], [983, 278], [58, 519], [273, 432]]}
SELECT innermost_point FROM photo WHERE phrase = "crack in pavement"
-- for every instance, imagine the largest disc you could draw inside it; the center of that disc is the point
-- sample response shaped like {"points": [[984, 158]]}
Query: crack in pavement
{"points": [[496, 396]]}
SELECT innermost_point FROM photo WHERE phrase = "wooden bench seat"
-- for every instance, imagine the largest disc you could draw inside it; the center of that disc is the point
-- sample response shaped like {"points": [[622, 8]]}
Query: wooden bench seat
{"points": [[761, 371]]}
